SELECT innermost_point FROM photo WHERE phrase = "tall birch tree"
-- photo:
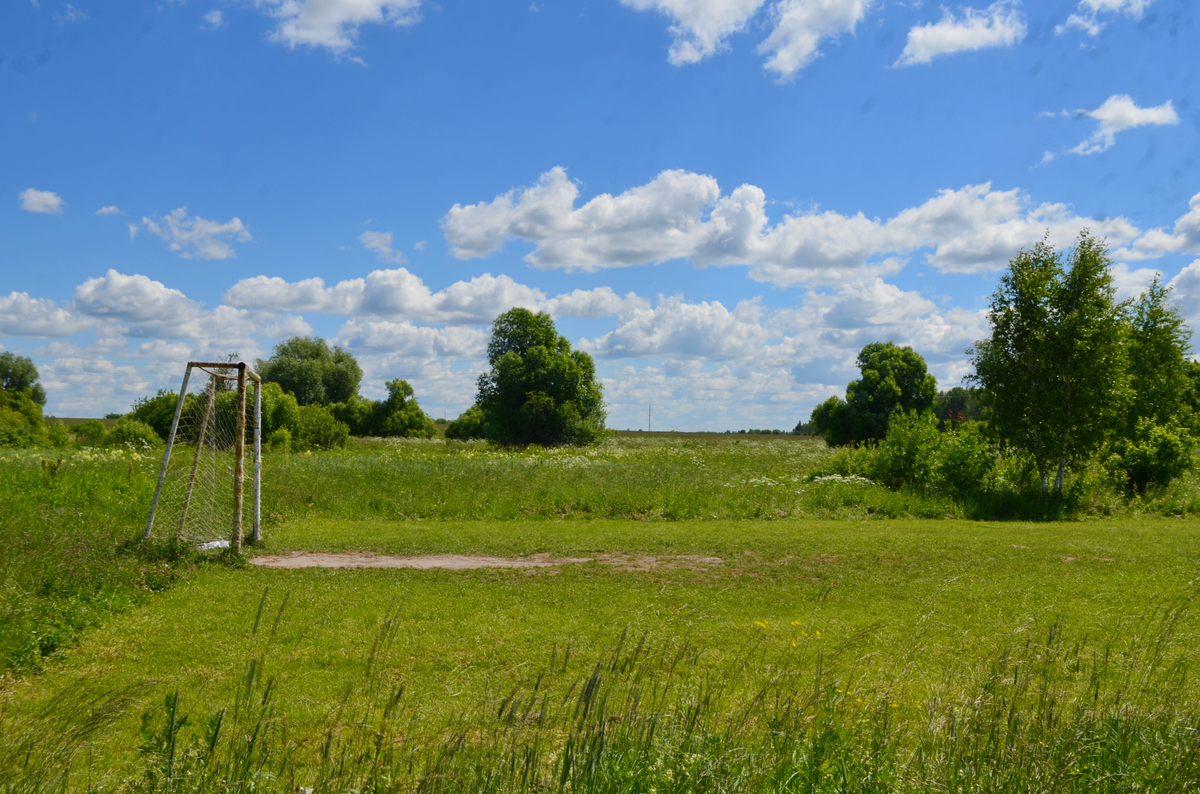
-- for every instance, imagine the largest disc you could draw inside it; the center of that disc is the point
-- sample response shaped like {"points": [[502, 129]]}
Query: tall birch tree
{"points": [[1055, 364]]}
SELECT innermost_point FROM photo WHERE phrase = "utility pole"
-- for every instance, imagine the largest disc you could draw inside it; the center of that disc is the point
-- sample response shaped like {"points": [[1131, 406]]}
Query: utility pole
{"points": [[648, 424]]}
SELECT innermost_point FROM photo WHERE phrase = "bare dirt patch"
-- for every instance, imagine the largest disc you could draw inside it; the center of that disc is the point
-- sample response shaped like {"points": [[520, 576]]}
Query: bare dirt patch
{"points": [[358, 559], [461, 562], [631, 562]]}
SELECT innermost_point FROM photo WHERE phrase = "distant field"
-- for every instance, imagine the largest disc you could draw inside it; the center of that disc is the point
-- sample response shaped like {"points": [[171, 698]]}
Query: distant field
{"points": [[708, 435], [72, 421]]}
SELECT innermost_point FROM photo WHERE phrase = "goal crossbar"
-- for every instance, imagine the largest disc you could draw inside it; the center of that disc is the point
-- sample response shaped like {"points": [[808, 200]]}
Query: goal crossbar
{"points": [[244, 373]]}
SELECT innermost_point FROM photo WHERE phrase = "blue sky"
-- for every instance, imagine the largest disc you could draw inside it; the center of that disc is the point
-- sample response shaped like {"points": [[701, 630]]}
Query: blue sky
{"points": [[721, 200]]}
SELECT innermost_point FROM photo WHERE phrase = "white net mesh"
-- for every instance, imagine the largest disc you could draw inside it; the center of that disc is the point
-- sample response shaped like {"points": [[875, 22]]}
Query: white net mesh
{"points": [[196, 504]]}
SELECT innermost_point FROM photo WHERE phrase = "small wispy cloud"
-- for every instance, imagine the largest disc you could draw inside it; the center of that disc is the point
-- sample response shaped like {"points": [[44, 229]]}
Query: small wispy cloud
{"points": [[1088, 20], [109, 210], [215, 18], [69, 14], [193, 237], [381, 243], [1119, 113]]}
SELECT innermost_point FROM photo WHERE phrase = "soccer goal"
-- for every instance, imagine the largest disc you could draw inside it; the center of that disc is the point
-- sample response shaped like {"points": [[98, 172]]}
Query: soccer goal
{"points": [[200, 494]]}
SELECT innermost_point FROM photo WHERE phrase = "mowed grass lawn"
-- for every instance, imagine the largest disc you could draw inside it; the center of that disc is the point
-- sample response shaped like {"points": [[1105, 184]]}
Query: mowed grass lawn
{"points": [[910, 611]]}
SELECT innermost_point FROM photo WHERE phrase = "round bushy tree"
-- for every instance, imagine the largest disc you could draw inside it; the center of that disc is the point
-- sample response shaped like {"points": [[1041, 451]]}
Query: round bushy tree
{"points": [[538, 390], [893, 378], [18, 374], [314, 373]]}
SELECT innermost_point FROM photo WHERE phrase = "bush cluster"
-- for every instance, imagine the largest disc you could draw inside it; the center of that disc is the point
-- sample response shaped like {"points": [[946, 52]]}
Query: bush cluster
{"points": [[914, 454]]}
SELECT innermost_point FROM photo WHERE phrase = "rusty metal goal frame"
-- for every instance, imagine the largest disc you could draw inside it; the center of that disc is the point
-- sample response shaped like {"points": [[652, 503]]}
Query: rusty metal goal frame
{"points": [[245, 374]]}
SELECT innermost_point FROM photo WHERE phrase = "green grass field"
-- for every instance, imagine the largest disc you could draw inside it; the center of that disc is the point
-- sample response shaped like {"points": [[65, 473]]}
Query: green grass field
{"points": [[828, 650]]}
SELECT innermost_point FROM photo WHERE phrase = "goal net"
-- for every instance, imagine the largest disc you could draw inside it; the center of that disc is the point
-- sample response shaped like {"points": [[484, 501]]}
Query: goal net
{"points": [[201, 497]]}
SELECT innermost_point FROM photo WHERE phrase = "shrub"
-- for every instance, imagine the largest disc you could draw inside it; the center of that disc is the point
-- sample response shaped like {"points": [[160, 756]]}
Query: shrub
{"points": [[57, 434], [1155, 455], [317, 428], [915, 455], [156, 411], [397, 415], [468, 425], [358, 414], [906, 455], [279, 409], [280, 441], [21, 422], [91, 433], [963, 458], [409, 422], [132, 433]]}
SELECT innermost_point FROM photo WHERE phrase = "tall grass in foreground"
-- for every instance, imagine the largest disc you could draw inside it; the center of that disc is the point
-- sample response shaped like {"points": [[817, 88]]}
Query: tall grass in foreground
{"points": [[67, 521], [1050, 714]]}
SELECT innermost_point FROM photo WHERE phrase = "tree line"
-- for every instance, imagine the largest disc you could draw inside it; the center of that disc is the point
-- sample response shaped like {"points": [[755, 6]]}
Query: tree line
{"points": [[537, 390], [1068, 377]]}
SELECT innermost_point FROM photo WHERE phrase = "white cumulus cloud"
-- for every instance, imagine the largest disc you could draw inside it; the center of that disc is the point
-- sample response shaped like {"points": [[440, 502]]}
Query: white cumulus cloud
{"points": [[109, 210], [406, 340], [135, 298], [401, 295], [999, 25], [1087, 16], [38, 318], [684, 215], [215, 18], [1183, 238], [1131, 283], [193, 237], [679, 329], [44, 201], [800, 25], [701, 28], [334, 24], [1186, 293], [1119, 113]]}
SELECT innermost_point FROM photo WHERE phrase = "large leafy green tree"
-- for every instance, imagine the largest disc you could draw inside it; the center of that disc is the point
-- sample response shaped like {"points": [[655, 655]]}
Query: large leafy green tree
{"points": [[538, 390], [21, 401], [1016, 363], [893, 378], [314, 373], [1055, 365], [18, 374]]}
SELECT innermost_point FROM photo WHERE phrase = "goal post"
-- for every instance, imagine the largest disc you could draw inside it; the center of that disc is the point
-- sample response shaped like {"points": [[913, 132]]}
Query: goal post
{"points": [[200, 495]]}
